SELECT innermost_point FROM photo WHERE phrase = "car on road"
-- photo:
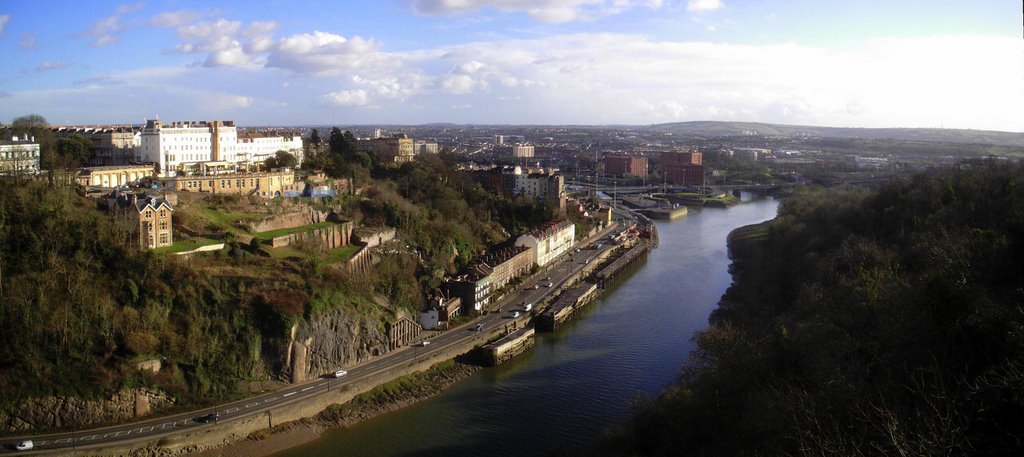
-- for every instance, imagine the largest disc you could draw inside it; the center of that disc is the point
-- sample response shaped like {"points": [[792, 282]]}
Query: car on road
{"points": [[515, 314], [549, 284], [340, 373], [212, 417], [425, 343], [478, 327], [21, 445], [534, 287]]}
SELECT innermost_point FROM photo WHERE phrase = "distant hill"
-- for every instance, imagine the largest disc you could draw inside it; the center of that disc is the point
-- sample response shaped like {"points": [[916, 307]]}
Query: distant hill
{"points": [[721, 129]]}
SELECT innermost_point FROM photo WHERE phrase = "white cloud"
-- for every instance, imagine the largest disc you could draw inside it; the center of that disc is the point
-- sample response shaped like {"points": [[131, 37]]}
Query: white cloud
{"points": [[169, 19], [48, 66], [551, 11], [703, 5], [4, 19], [108, 30], [356, 97], [228, 43], [28, 40], [328, 54], [594, 78], [129, 8]]}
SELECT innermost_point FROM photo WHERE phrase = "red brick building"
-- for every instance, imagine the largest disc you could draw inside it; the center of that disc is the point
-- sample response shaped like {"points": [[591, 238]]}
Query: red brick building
{"points": [[683, 168], [625, 166]]}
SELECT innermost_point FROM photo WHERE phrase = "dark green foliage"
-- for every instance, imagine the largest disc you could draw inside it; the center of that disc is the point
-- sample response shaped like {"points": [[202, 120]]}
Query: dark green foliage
{"points": [[75, 149], [864, 323], [78, 302], [281, 159]]}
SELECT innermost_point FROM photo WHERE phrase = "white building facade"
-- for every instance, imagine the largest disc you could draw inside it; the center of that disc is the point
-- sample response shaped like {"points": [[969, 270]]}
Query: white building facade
{"points": [[522, 150], [19, 156], [550, 240], [176, 145], [257, 149], [191, 145]]}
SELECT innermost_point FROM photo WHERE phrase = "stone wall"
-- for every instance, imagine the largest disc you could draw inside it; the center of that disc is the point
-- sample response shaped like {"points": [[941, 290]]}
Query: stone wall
{"points": [[59, 411], [374, 236], [332, 236], [305, 216]]}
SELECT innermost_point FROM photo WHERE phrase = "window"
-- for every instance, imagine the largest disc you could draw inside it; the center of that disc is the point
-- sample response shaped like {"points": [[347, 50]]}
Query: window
{"points": [[163, 238]]}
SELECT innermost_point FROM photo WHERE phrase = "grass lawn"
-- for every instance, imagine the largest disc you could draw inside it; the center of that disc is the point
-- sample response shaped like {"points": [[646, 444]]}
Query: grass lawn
{"points": [[332, 256], [285, 231], [341, 254], [227, 220], [285, 252], [185, 245]]}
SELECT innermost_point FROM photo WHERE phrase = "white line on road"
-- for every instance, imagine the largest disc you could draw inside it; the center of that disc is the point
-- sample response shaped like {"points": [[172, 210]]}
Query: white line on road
{"points": [[310, 387], [289, 393]]}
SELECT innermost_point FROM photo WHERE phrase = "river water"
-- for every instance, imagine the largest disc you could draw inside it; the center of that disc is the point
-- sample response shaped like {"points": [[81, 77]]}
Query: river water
{"points": [[574, 384]]}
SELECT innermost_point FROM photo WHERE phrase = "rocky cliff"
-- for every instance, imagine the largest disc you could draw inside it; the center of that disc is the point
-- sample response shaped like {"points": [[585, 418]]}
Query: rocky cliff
{"points": [[336, 339], [58, 412]]}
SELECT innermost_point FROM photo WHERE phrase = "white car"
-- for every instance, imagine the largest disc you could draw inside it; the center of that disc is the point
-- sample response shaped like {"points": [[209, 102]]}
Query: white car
{"points": [[425, 343], [23, 446], [340, 373]]}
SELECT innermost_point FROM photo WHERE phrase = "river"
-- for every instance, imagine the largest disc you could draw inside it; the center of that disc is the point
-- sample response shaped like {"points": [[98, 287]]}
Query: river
{"points": [[575, 383]]}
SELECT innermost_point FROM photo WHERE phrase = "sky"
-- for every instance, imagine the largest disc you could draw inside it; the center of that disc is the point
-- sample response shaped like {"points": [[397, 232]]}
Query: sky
{"points": [[868, 63]]}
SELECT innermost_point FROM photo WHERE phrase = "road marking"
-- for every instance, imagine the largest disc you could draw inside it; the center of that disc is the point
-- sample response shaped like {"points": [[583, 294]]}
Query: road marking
{"points": [[44, 443], [143, 429], [251, 405], [231, 410], [90, 437], [269, 400], [289, 393], [167, 424], [118, 433], [310, 387], [321, 384], [62, 440]]}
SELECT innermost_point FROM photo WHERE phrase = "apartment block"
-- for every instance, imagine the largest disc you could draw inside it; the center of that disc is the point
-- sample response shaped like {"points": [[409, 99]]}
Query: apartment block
{"points": [[19, 156], [625, 166]]}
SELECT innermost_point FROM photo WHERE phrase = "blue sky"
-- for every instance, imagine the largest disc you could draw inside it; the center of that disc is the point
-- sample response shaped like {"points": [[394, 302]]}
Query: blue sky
{"points": [[842, 63]]}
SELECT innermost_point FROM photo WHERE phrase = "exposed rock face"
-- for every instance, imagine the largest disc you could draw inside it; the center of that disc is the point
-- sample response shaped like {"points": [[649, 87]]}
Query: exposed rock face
{"points": [[55, 412], [334, 340]]}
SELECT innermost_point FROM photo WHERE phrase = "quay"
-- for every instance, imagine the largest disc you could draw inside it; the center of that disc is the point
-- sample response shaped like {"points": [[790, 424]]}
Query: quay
{"points": [[507, 347], [566, 306], [608, 273], [664, 213]]}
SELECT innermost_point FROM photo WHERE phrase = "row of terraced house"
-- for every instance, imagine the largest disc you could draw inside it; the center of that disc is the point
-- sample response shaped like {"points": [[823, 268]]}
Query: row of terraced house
{"points": [[493, 271]]}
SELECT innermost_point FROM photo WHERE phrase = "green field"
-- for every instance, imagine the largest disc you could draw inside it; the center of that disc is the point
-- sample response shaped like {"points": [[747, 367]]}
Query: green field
{"points": [[285, 231], [185, 245]]}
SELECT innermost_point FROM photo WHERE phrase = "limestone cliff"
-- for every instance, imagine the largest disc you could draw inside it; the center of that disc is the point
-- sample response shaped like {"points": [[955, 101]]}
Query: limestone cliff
{"points": [[336, 339], [61, 411]]}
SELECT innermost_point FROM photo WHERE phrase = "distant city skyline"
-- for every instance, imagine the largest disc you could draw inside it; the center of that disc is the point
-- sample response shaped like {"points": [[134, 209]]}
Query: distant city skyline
{"points": [[933, 64]]}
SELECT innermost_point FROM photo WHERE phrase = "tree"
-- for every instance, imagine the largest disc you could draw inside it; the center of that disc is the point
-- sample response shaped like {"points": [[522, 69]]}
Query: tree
{"points": [[36, 127], [281, 159], [76, 148]]}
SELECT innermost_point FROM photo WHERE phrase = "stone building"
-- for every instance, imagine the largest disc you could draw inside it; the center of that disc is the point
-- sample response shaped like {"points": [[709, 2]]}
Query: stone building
{"points": [[682, 168], [19, 156], [267, 184], [625, 166], [153, 216], [549, 240]]}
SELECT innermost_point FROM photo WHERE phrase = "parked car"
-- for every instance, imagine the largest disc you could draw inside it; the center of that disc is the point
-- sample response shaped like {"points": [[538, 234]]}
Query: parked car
{"points": [[340, 373]]}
